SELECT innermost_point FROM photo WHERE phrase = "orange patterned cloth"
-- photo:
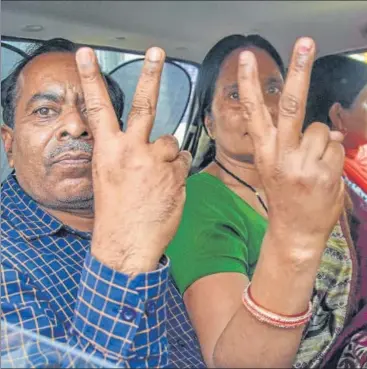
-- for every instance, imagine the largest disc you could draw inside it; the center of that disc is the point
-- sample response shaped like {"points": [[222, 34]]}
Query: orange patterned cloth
{"points": [[355, 166]]}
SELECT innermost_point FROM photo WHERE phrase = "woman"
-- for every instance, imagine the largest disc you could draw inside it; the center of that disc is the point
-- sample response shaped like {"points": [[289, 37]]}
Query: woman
{"points": [[338, 97], [247, 221]]}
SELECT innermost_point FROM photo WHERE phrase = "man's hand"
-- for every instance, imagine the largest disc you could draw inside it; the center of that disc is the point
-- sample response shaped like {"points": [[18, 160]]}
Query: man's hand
{"points": [[139, 187], [301, 175]]}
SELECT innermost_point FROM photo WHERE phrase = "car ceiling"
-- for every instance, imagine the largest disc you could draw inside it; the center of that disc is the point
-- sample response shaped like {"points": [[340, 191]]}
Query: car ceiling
{"points": [[187, 29]]}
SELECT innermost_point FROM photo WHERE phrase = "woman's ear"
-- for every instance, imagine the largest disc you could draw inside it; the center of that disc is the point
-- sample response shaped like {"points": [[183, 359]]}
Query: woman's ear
{"points": [[336, 114], [7, 137], [210, 125]]}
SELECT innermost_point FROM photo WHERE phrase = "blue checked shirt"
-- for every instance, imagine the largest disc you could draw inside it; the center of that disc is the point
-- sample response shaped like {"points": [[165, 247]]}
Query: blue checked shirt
{"points": [[53, 287]]}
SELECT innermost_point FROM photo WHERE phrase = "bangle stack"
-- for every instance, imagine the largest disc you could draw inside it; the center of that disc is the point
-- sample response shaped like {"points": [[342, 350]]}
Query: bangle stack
{"points": [[273, 319]]}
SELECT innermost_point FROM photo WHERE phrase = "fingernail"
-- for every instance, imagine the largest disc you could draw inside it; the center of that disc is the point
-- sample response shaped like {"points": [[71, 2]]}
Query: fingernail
{"points": [[154, 54], [84, 57], [305, 45]]}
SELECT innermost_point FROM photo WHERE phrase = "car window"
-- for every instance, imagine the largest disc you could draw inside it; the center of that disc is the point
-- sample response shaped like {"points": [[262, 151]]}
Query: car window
{"points": [[176, 92], [10, 56], [23, 343], [173, 95]]}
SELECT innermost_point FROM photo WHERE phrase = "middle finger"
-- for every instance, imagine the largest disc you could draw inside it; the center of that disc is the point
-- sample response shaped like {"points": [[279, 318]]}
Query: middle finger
{"points": [[293, 101], [144, 104]]}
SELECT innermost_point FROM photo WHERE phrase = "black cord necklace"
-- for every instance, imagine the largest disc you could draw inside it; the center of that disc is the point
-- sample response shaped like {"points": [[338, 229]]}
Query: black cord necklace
{"points": [[242, 182]]}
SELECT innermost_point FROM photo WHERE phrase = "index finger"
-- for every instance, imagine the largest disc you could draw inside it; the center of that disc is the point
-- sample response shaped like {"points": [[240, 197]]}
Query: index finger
{"points": [[292, 104], [144, 104], [258, 120], [101, 114]]}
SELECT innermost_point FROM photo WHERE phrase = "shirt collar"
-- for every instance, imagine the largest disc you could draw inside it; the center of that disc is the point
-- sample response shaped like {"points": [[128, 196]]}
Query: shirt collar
{"points": [[26, 215]]}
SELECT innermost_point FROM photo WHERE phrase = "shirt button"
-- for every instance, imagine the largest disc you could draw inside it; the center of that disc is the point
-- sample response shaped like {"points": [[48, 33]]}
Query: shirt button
{"points": [[150, 307], [181, 343], [128, 314]]}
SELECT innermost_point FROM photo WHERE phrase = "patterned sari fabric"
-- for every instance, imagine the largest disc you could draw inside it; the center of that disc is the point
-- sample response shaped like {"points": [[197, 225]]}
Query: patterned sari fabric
{"points": [[354, 354], [350, 349], [333, 298], [359, 199]]}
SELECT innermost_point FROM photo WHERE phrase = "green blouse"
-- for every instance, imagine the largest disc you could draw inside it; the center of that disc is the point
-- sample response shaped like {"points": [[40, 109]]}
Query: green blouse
{"points": [[219, 232]]}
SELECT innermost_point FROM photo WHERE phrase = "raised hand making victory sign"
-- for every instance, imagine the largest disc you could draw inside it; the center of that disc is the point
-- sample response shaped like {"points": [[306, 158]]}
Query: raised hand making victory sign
{"points": [[301, 176], [139, 187]]}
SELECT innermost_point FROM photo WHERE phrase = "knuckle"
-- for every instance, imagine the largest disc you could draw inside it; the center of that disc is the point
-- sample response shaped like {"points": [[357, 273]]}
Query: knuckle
{"points": [[302, 62], [95, 106], [325, 178], [168, 145], [319, 127], [186, 161], [289, 105], [298, 66], [169, 140], [296, 175], [248, 108], [91, 75], [315, 132], [304, 181], [150, 70], [243, 76], [183, 163], [275, 169], [142, 106]]}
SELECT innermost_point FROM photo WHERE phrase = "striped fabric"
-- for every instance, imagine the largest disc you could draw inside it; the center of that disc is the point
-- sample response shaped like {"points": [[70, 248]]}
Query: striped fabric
{"points": [[53, 287]]}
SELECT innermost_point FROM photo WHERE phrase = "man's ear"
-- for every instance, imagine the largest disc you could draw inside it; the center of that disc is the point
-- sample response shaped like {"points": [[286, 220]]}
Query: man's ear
{"points": [[336, 114], [7, 137], [209, 125]]}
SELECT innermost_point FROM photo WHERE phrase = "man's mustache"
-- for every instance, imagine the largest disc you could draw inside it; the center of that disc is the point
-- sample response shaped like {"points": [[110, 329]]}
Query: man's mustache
{"points": [[71, 145]]}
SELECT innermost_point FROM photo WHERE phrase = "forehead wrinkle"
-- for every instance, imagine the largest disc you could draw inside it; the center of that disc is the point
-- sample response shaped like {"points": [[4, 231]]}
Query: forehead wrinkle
{"points": [[64, 89]]}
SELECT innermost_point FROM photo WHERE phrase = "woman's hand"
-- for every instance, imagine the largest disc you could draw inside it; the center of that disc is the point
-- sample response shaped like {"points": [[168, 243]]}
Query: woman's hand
{"points": [[301, 175]]}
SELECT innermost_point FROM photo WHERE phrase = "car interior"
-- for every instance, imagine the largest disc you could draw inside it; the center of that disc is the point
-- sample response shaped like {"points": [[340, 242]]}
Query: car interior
{"points": [[121, 31]]}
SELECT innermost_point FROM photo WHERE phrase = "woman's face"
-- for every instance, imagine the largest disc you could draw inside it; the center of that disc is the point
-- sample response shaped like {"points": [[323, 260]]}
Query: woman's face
{"points": [[226, 124], [355, 119]]}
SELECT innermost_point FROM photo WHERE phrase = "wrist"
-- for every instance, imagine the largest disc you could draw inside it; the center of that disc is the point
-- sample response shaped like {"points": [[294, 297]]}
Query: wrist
{"points": [[130, 263], [285, 274], [300, 252], [123, 253]]}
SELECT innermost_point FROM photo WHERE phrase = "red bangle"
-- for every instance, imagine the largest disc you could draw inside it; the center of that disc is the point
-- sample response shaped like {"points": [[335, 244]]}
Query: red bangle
{"points": [[271, 318]]}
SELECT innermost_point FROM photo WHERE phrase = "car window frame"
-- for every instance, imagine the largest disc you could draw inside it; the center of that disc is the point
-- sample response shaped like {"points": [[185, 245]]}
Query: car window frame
{"points": [[191, 87]]}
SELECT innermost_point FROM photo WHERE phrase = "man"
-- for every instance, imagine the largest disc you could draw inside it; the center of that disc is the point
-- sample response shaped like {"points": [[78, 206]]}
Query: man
{"points": [[82, 259], [83, 235]]}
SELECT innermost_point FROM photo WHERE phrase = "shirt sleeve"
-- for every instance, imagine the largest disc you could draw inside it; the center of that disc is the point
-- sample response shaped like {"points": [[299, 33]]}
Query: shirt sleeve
{"points": [[212, 238], [117, 320]]}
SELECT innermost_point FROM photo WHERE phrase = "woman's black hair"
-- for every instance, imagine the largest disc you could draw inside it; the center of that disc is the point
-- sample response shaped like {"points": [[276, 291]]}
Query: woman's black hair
{"points": [[210, 69], [9, 86], [334, 78]]}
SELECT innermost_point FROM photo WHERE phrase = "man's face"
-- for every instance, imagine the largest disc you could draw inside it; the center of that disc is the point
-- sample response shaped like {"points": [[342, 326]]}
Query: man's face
{"points": [[51, 144]]}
